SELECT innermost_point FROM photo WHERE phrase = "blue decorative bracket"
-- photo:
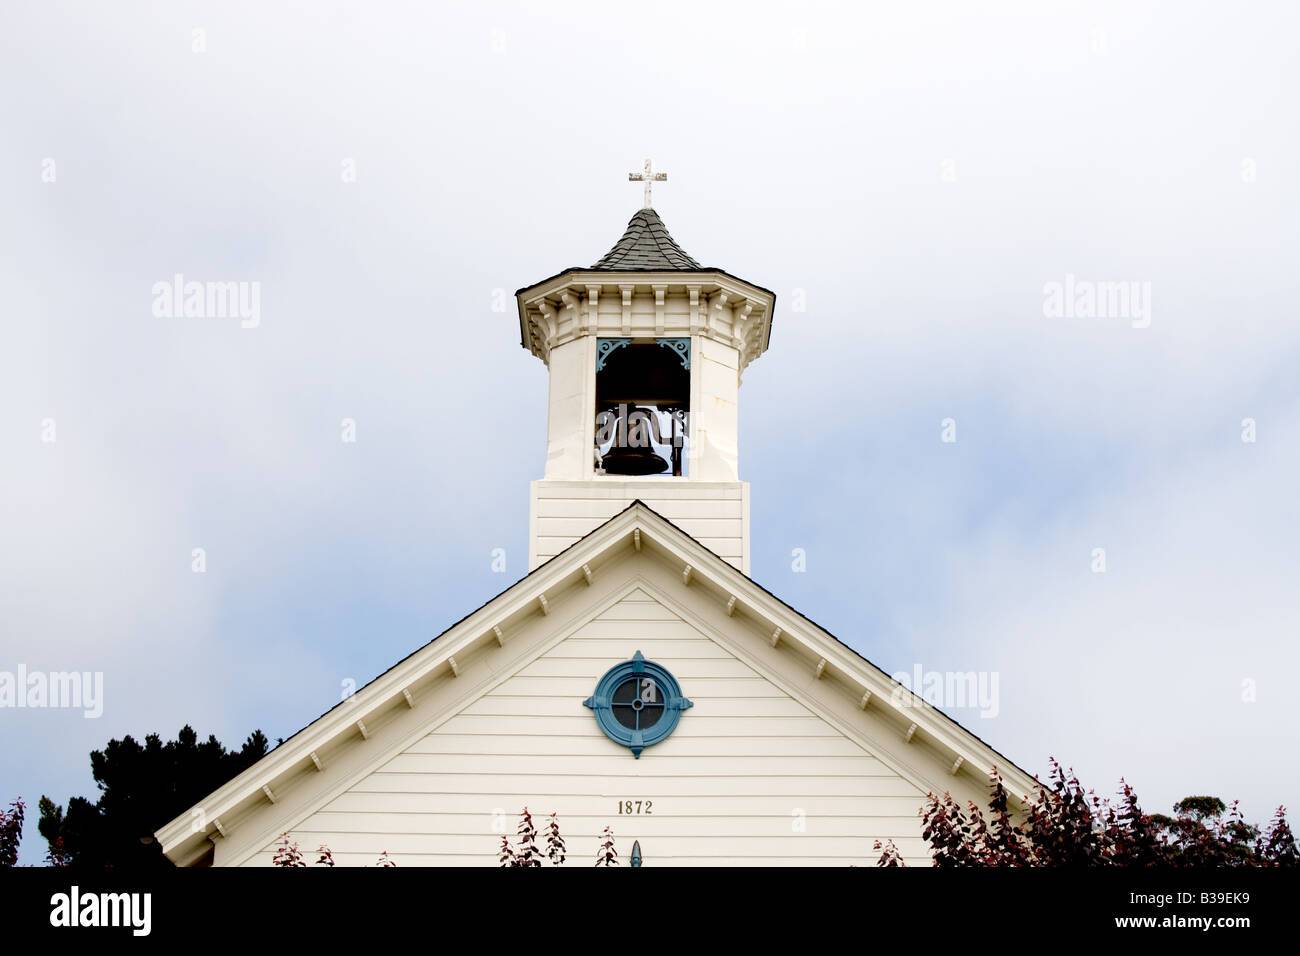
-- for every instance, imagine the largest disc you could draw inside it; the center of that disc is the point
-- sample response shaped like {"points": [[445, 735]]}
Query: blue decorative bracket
{"points": [[682, 347], [606, 347]]}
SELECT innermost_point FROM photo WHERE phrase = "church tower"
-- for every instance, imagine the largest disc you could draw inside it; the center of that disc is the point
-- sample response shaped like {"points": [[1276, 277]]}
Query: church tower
{"points": [[645, 350]]}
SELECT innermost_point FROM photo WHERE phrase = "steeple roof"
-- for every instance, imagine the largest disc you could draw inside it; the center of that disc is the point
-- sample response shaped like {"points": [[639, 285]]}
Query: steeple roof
{"points": [[646, 246]]}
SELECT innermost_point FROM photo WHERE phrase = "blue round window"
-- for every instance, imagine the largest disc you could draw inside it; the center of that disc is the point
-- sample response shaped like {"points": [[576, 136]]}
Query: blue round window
{"points": [[637, 703]]}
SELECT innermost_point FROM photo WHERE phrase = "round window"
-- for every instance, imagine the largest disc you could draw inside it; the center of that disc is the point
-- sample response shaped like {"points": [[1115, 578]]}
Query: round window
{"points": [[637, 703]]}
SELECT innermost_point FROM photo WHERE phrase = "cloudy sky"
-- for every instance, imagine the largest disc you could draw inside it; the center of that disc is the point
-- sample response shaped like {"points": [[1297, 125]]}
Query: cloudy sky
{"points": [[915, 175]]}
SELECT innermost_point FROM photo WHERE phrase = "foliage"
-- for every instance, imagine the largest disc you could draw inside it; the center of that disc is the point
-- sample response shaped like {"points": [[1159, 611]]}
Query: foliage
{"points": [[607, 855], [141, 788], [889, 855], [1066, 826], [506, 856], [1278, 846], [288, 854], [11, 832], [554, 842], [526, 851]]}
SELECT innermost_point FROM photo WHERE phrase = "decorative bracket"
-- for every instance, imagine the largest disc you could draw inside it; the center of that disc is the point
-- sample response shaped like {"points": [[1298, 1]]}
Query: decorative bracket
{"points": [[682, 347], [606, 347]]}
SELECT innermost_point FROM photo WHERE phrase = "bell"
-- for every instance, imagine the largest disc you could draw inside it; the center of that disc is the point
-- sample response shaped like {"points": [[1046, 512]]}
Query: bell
{"points": [[633, 461], [629, 451]]}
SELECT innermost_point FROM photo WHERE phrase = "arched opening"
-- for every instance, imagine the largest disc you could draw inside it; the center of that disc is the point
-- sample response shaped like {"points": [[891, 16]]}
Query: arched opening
{"points": [[643, 395]]}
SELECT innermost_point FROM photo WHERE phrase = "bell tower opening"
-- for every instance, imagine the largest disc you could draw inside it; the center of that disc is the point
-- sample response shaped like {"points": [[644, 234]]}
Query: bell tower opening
{"points": [[643, 399]]}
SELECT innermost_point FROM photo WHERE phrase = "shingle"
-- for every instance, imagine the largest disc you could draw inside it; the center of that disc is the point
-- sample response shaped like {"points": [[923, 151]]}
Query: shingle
{"points": [[646, 246]]}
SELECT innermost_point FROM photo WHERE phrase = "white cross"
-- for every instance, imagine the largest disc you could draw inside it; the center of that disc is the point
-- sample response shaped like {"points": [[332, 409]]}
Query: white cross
{"points": [[647, 177]]}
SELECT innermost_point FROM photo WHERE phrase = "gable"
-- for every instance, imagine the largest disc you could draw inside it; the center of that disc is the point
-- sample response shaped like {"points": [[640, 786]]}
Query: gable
{"points": [[493, 710], [749, 775]]}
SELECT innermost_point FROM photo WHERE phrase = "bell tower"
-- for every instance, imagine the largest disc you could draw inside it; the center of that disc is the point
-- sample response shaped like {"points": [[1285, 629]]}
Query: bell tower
{"points": [[645, 350]]}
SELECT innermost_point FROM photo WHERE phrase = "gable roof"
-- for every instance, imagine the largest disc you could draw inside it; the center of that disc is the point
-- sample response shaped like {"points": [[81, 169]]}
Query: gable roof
{"points": [[426, 674], [646, 246]]}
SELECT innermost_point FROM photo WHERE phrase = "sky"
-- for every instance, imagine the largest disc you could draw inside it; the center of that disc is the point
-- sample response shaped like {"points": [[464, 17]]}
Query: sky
{"points": [[912, 180]]}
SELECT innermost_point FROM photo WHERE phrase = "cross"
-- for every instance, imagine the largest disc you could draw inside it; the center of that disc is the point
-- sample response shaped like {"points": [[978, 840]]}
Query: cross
{"points": [[647, 177]]}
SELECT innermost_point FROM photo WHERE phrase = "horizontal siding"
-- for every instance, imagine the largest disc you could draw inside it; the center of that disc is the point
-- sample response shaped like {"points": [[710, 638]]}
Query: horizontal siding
{"points": [[786, 844], [499, 705], [724, 547], [622, 631], [714, 526], [579, 724], [711, 512], [678, 745], [475, 825], [741, 805], [684, 668], [614, 649], [616, 782], [786, 761], [749, 776], [581, 687], [684, 508], [659, 491]]}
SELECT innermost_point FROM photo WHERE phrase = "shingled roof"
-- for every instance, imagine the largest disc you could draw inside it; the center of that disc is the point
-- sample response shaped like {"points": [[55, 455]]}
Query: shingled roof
{"points": [[646, 247]]}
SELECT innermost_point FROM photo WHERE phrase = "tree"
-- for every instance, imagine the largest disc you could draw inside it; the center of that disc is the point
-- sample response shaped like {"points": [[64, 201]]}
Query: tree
{"points": [[1065, 825], [1278, 846], [141, 787], [11, 832]]}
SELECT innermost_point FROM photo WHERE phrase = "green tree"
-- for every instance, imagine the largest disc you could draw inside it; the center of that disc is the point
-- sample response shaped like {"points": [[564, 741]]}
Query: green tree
{"points": [[141, 787]]}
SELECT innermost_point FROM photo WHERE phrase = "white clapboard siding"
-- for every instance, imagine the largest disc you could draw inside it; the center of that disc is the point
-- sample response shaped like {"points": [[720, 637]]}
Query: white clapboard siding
{"points": [[503, 706], [714, 512], [778, 842], [750, 775], [543, 801], [616, 783], [776, 823]]}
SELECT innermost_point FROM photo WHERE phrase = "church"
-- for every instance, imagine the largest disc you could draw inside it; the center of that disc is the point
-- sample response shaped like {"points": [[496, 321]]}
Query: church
{"points": [[637, 678]]}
